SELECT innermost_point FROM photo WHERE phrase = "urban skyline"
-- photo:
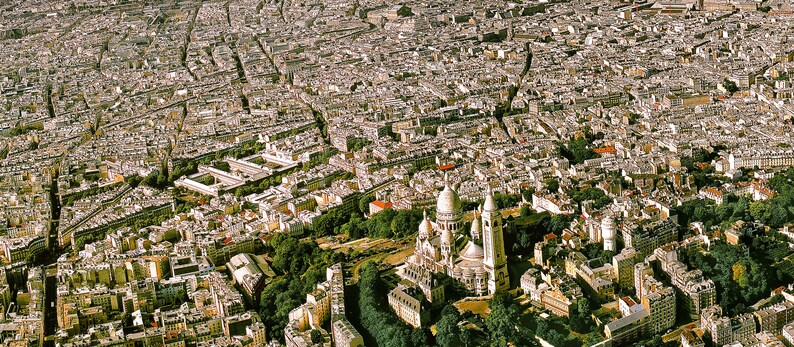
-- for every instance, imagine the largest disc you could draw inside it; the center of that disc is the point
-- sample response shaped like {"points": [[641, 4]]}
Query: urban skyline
{"points": [[379, 173]]}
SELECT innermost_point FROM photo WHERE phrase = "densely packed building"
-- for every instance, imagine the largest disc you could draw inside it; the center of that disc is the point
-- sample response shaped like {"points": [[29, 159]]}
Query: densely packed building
{"points": [[592, 151]]}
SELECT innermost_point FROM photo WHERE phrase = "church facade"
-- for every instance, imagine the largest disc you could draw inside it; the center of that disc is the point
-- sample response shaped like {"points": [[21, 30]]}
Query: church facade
{"points": [[480, 265]]}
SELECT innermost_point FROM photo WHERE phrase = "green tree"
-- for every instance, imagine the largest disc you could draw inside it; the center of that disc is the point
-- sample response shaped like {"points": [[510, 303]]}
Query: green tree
{"points": [[506, 200], [730, 86], [758, 210], [527, 194], [579, 320], [356, 144], [542, 325], [578, 148], [557, 223], [300, 266], [583, 306], [406, 222], [499, 342], [379, 322], [523, 232], [379, 225], [134, 181], [466, 337], [552, 185], [447, 327], [355, 228], [275, 304], [597, 196], [504, 320], [363, 202], [316, 336], [162, 180], [419, 337]]}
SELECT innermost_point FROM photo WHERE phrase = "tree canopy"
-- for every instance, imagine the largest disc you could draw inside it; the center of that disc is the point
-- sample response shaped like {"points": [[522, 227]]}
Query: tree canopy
{"points": [[300, 265], [377, 319], [504, 323], [580, 148], [774, 212], [597, 196], [388, 223], [741, 279]]}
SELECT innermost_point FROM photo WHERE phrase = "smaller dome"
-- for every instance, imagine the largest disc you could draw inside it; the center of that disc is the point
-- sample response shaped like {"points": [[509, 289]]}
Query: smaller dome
{"points": [[446, 236], [425, 228], [472, 251], [476, 226]]}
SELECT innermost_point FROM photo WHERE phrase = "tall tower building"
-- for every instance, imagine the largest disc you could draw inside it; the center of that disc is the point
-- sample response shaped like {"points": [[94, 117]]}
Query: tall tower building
{"points": [[608, 233], [660, 303], [494, 260]]}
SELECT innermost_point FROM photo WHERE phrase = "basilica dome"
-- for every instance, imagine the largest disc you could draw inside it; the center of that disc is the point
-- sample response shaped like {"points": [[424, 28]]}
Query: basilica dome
{"points": [[448, 201]]}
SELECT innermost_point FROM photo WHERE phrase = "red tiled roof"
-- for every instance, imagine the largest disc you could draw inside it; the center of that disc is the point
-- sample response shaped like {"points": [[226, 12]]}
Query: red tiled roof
{"points": [[607, 149], [382, 204], [628, 300]]}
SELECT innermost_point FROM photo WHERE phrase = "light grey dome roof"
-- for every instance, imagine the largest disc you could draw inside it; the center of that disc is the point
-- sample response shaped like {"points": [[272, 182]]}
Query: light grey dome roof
{"points": [[489, 204], [476, 225], [425, 228], [448, 200], [472, 251]]}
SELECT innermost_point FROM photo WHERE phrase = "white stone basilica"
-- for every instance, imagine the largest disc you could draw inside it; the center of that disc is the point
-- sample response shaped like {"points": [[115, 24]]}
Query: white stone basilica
{"points": [[482, 269]]}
